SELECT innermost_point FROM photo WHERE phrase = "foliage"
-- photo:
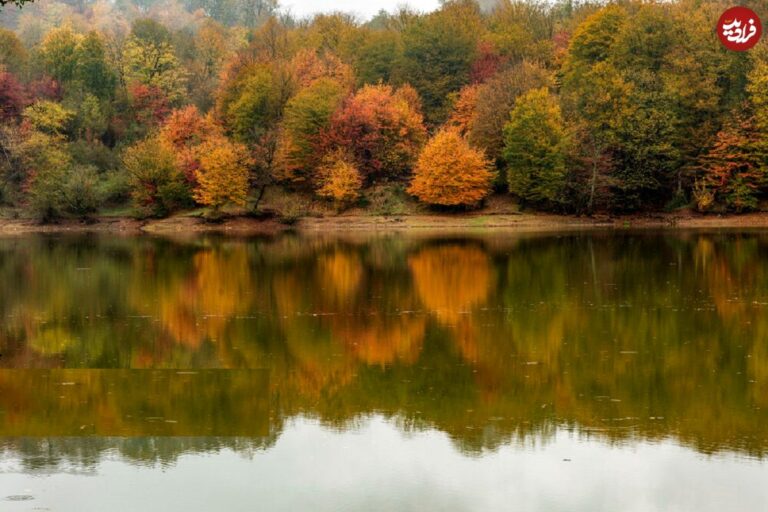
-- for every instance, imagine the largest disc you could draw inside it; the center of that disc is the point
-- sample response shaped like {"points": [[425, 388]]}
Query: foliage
{"points": [[495, 99], [81, 194], [46, 165], [733, 169], [463, 116], [307, 67], [251, 100], [646, 96], [48, 117], [183, 131], [12, 97], [13, 55], [157, 185], [222, 176], [150, 60], [450, 173], [438, 53], [381, 127], [306, 116], [338, 178], [150, 105], [534, 148]]}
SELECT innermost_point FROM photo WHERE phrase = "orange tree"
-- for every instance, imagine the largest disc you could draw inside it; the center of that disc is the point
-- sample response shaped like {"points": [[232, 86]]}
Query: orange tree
{"points": [[449, 172], [733, 170], [182, 132]]}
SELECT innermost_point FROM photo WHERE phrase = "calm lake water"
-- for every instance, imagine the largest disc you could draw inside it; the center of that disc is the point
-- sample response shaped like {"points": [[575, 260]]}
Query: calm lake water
{"points": [[577, 372]]}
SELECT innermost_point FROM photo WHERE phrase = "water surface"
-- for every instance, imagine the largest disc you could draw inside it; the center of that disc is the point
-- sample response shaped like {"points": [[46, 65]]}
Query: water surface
{"points": [[597, 371]]}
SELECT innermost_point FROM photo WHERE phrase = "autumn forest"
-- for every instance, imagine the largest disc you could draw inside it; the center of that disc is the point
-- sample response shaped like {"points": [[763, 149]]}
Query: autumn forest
{"points": [[151, 108]]}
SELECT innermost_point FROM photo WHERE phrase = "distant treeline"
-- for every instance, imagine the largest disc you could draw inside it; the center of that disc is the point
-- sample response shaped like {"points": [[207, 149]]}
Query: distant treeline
{"points": [[574, 107]]}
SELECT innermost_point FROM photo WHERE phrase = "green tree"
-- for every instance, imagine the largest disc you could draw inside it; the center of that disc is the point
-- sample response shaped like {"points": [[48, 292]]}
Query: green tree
{"points": [[92, 68], [438, 51], [250, 102], [534, 148], [57, 54], [13, 55], [157, 184], [150, 60], [306, 115], [46, 164]]}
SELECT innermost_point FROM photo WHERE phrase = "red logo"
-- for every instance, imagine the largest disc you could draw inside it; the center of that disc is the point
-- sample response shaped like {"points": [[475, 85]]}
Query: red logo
{"points": [[739, 28]]}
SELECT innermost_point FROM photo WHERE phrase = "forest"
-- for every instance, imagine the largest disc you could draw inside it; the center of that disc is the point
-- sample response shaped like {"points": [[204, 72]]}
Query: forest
{"points": [[148, 108]]}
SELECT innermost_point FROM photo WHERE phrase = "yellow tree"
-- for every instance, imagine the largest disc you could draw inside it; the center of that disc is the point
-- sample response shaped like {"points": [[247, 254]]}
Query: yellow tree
{"points": [[450, 172], [339, 179], [222, 176]]}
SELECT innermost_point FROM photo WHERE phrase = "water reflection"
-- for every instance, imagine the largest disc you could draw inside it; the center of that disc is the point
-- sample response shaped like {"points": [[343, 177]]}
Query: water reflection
{"points": [[620, 338]]}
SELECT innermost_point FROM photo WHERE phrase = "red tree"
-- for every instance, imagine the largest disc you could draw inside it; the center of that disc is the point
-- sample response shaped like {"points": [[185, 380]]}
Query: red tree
{"points": [[151, 105], [46, 88], [486, 64], [12, 97], [381, 127]]}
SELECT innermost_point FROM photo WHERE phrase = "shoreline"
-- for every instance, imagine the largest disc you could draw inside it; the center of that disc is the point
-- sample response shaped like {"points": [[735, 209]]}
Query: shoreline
{"points": [[526, 222]]}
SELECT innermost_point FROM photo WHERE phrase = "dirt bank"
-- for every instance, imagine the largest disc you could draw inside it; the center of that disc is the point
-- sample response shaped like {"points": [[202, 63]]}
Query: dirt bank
{"points": [[180, 225]]}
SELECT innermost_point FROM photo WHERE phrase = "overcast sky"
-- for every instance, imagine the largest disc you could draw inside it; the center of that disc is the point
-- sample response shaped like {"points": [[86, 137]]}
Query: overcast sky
{"points": [[363, 8]]}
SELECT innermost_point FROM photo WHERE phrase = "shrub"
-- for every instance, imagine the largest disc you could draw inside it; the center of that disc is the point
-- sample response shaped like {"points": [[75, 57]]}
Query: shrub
{"points": [[81, 194]]}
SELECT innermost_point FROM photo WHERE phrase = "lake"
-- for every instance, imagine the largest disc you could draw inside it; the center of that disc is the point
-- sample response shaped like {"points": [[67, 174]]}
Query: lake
{"points": [[599, 371]]}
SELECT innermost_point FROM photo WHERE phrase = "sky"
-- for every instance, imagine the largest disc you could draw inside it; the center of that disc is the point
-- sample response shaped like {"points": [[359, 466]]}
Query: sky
{"points": [[365, 9]]}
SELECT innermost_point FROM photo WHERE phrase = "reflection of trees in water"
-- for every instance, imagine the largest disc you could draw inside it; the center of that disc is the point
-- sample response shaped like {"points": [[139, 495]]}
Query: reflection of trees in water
{"points": [[83, 454], [488, 339]]}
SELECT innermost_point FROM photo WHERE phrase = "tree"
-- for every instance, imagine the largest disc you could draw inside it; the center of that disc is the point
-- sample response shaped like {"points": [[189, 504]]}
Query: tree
{"points": [[438, 52], [306, 116], [449, 172], [734, 169], [339, 179], [92, 68], [308, 66], [521, 31], [150, 106], [12, 97], [90, 118], [48, 117], [377, 58], [13, 55], [184, 130], [223, 173], [157, 185], [463, 115], [150, 60], [622, 78], [381, 127], [57, 53], [495, 99], [46, 164], [81, 195], [210, 48], [534, 148], [250, 101]]}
